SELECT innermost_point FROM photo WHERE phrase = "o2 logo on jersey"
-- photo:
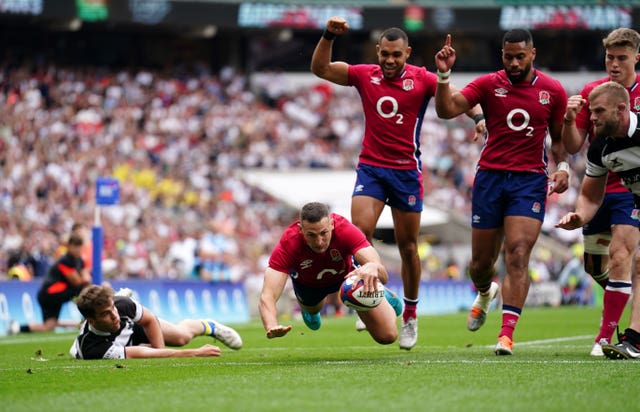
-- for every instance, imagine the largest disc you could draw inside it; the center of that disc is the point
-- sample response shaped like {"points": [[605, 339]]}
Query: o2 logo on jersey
{"points": [[518, 119], [394, 108]]}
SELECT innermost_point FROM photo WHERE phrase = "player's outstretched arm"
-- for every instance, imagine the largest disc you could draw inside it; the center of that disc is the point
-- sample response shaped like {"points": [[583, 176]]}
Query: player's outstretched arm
{"points": [[274, 283], [133, 352], [570, 221], [278, 331], [588, 203], [321, 64]]}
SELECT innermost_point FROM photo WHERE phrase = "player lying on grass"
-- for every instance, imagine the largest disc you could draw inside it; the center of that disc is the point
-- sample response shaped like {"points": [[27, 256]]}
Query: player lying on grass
{"points": [[317, 253], [118, 327]]}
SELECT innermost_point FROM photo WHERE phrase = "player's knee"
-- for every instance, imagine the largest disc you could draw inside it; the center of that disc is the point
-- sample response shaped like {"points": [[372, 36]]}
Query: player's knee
{"points": [[181, 340], [49, 324], [386, 337], [481, 269], [408, 250], [620, 258]]}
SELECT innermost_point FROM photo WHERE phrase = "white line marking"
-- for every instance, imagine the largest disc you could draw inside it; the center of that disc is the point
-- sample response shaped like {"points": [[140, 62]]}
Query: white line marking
{"points": [[34, 337], [547, 341], [510, 359]]}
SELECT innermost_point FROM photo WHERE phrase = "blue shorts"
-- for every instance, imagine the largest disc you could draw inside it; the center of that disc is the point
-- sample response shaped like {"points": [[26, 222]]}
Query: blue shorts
{"points": [[616, 209], [312, 296], [400, 189], [497, 194]]}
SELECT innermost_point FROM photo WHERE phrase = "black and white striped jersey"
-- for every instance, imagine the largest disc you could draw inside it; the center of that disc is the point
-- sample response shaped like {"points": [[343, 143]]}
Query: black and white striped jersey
{"points": [[95, 344], [618, 154]]}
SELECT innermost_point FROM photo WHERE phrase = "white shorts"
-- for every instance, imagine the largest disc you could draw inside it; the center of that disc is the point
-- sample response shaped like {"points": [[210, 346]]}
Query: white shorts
{"points": [[597, 244]]}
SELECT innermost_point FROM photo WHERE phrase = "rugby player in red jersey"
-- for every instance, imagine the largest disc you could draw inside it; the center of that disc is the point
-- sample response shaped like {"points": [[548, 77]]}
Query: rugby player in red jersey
{"points": [[522, 107]]}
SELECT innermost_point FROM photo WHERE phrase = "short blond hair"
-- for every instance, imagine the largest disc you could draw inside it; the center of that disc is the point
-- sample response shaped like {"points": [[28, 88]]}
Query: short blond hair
{"points": [[616, 93], [623, 37]]}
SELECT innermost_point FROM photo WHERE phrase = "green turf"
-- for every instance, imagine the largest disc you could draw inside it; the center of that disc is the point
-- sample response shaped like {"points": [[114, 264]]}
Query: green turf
{"points": [[337, 369]]}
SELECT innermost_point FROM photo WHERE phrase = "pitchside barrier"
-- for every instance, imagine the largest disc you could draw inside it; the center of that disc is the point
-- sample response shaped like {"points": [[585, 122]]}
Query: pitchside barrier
{"points": [[170, 300], [223, 301]]}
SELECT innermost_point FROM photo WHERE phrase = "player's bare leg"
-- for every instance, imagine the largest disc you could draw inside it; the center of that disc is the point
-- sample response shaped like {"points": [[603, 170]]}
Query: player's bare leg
{"points": [[520, 236], [608, 260], [634, 322], [365, 212], [629, 345], [381, 323], [485, 248], [184, 331], [407, 227]]}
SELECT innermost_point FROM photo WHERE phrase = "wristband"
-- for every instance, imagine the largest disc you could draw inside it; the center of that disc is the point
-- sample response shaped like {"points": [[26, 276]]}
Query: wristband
{"points": [[444, 77], [563, 167], [568, 121], [478, 118], [328, 35]]}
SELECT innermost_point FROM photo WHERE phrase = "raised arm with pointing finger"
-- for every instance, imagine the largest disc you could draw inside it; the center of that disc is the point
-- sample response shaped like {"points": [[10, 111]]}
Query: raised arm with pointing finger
{"points": [[521, 106], [394, 96]]}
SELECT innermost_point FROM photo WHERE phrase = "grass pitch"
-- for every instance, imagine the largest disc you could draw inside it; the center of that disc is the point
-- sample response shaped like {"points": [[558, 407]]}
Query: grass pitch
{"points": [[337, 369]]}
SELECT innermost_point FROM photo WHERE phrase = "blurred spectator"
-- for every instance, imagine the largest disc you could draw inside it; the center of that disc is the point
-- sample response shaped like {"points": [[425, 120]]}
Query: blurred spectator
{"points": [[179, 259], [176, 143], [576, 283]]}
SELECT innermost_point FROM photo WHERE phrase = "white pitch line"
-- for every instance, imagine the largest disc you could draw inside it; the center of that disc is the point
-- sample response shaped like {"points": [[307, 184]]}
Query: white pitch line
{"points": [[52, 338], [84, 365], [547, 341], [70, 338]]}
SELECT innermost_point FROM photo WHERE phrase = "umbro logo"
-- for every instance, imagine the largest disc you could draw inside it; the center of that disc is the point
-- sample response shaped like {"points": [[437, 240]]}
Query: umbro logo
{"points": [[376, 80], [500, 92]]}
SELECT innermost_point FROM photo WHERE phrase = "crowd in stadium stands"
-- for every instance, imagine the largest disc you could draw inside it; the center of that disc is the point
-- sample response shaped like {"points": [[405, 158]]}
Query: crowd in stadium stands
{"points": [[176, 143]]}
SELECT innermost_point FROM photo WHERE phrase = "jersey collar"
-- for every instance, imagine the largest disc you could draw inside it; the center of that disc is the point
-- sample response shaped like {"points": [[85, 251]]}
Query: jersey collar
{"points": [[633, 123], [96, 331]]}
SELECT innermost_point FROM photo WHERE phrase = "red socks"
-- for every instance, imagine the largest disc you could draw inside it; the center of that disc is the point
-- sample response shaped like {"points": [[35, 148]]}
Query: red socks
{"points": [[616, 296], [410, 307], [510, 317]]}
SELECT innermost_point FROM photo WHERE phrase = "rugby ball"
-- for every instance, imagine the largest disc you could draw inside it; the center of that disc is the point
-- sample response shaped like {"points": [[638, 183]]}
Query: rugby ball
{"points": [[354, 296]]}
